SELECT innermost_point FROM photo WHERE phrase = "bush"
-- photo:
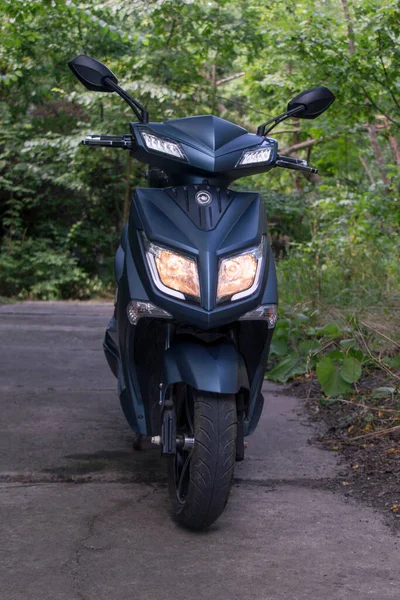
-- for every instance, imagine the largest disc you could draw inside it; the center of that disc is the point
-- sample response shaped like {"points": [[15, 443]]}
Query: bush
{"points": [[353, 255], [33, 269], [338, 289]]}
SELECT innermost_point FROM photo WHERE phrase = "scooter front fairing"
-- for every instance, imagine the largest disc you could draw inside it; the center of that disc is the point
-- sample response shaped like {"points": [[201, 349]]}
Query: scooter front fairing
{"points": [[211, 347]]}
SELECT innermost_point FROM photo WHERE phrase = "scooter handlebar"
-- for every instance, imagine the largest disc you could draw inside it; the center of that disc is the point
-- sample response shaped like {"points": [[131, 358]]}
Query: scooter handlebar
{"points": [[113, 141], [296, 164], [126, 142]]}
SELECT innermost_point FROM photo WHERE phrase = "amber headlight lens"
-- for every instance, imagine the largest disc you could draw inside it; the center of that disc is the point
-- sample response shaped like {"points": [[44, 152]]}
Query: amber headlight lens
{"points": [[173, 273], [239, 275]]}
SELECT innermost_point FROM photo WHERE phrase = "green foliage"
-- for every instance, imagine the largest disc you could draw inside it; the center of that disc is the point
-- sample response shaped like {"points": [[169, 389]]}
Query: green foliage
{"points": [[302, 345], [336, 371], [62, 206], [330, 377], [339, 349], [352, 257], [393, 362], [32, 269]]}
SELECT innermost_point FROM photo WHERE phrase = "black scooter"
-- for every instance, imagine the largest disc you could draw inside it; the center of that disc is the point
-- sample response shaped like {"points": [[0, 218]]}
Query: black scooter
{"points": [[197, 297]]}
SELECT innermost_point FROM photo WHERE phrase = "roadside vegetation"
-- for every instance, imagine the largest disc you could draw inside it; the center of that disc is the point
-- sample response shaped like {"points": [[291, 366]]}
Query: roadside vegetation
{"points": [[340, 313], [335, 235]]}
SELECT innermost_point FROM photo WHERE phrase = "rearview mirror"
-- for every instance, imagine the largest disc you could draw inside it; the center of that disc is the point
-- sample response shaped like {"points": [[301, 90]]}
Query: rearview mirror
{"points": [[314, 101], [92, 73], [96, 77]]}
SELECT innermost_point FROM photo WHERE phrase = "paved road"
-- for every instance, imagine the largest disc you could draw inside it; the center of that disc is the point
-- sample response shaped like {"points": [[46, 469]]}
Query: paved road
{"points": [[82, 518]]}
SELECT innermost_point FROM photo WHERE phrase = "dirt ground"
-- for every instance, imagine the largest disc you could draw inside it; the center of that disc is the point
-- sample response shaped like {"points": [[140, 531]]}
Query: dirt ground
{"points": [[372, 460]]}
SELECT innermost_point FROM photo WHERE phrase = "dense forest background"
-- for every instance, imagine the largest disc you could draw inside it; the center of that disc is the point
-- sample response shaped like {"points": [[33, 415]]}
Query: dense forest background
{"points": [[62, 205]]}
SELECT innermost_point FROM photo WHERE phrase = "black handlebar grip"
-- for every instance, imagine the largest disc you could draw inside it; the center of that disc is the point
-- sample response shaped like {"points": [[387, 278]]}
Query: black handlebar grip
{"points": [[113, 141], [296, 164]]}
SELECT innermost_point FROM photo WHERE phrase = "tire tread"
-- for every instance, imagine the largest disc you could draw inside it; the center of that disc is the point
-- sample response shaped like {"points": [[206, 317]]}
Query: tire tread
{"points": [[212, 463]]}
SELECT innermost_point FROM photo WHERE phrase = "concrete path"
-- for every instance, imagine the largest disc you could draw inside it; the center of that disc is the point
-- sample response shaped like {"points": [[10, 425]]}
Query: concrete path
{"points": [[83, 518]]}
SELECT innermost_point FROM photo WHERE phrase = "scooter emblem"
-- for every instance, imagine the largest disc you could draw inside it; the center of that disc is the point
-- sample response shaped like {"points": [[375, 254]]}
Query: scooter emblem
{"points": [[203, 198]]}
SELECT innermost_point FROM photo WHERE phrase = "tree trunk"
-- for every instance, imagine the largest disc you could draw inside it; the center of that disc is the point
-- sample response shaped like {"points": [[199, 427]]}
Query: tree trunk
{"points": [[350, 30], [213, 87], [394, 144], [313, 177], [395, 149], [367, 170], [378, 153]]}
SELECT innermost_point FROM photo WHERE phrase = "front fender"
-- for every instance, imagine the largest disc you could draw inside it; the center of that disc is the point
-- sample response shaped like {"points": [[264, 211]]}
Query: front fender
{"points": [[216, 367]]}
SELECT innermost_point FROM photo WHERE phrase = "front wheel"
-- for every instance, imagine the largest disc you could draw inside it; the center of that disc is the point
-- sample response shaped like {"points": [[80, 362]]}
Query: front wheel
{"points": [[200, 476]]}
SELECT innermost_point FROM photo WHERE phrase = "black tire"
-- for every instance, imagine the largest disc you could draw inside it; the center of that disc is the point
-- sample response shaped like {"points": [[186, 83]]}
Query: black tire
{"points": [[210, 464]]}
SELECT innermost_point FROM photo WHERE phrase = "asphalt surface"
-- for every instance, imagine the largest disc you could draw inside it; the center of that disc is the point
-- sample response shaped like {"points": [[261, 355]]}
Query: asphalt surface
{"points": [[82, 517]]}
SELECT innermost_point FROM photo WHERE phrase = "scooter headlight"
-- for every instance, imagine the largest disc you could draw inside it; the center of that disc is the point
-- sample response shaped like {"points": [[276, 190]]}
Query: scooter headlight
{"points": [[252, 157], [163, 145], [173, 273], [239, 275]]}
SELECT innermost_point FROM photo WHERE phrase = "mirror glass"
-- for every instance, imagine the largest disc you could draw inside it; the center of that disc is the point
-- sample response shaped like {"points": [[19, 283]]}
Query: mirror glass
{"points": [[315, 101], [91, 73]]}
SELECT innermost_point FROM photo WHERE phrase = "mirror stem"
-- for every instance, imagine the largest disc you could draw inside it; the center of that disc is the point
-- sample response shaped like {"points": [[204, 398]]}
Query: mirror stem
{"points": [[276, 120], [139, 110]]}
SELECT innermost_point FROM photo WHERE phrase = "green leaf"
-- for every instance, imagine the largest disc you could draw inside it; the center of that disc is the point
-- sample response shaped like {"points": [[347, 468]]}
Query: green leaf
{"points": [[300, 318], [282, 324], [331, 330], [358, 355], [329, 378], [346, 344], [306, 347], [351, 369], [284, 369], [336, 354], [281, 333], [394, 362], [279, 346], [299, 369]]}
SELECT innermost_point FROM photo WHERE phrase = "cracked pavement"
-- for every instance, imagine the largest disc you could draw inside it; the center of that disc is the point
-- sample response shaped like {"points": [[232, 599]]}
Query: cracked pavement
{"points": [[82, 517]]}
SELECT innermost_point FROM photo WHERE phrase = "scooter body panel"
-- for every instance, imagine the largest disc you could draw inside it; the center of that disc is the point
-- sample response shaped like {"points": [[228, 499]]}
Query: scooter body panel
{"points": [[160, 216], [214, 367], [202, 353]]}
